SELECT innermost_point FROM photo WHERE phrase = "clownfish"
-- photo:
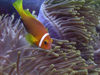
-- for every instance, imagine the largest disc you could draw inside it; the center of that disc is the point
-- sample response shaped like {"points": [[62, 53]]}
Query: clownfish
{"points": [[38, 34]]}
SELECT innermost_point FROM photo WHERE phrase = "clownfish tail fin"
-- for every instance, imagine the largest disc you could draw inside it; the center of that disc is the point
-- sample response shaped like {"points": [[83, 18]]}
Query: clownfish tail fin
{"points": [[18, 6]]}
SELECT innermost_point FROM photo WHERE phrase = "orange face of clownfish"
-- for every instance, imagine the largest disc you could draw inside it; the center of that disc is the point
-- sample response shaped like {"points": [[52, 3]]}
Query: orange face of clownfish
{"points": [[37, 32], [45, 42]]}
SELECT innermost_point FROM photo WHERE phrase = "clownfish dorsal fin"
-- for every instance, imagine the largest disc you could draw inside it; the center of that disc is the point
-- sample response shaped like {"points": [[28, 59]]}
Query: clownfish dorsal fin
{"points": [[28, 13], [30, 38]]}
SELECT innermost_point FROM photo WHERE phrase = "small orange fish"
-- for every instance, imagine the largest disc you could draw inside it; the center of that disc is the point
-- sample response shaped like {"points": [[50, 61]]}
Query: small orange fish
{"points": [[37, 32]]}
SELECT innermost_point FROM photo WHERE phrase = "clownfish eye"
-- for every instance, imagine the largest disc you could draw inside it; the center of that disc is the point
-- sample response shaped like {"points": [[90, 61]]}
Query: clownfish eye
{"points": [[45, 42]]}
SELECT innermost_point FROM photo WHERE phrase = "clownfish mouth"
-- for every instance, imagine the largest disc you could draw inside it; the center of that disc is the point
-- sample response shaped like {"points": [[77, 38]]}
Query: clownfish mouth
{"points": [[49, 46]]}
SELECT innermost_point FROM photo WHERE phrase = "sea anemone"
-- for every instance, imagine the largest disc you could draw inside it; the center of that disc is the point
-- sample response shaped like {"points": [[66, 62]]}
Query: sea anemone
{"points": [[17, 57], [73, 20]]}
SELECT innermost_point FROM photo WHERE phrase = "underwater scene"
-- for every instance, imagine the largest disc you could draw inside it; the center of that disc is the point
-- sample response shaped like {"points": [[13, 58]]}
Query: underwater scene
{"points": [[49, 37]]}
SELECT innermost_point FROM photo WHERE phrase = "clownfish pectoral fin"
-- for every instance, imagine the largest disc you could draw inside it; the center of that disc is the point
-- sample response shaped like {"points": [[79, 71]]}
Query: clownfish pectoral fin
{"points": [[31, 39]]}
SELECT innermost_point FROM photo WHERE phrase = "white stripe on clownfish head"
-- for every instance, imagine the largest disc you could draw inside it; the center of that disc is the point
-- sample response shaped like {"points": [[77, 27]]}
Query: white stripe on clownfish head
{"points": [[44, 36]]}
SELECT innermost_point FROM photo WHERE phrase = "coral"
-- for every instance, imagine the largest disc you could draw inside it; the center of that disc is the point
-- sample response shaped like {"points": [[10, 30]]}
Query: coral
{"points": [[18, 58]]}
